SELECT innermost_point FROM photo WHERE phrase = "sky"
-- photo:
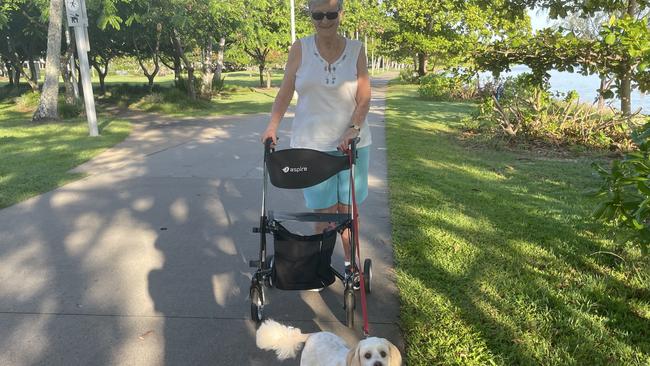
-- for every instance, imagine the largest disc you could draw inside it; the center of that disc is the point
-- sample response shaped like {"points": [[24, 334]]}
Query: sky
{"points": [[538, 19]]}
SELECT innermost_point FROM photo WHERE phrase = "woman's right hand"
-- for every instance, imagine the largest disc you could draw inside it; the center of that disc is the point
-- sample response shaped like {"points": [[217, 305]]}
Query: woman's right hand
{"points": [[270, 133]]}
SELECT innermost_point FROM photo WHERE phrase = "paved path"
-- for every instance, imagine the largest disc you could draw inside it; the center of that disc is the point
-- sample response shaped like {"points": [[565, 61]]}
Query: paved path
{"points": [[145, 261]]}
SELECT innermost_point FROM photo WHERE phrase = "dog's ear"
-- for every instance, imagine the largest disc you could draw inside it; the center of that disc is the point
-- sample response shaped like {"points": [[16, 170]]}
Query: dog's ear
{"points": [[353, 358], [395, 356]]}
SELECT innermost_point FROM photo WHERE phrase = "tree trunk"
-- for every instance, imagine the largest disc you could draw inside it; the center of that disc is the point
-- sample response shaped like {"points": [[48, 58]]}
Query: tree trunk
{"points": [[150, 75], [191, 91], [68, 81], [71, 91], [207, 72], [68, 76], [32, 71], [18, 67], [102, 73], [177, 70], [10, 73], [30, 78], [261, 67], [268, 78], [601, 91], [47, 106], [626, 79], [17, 76], [217, 75], [422, 64]]}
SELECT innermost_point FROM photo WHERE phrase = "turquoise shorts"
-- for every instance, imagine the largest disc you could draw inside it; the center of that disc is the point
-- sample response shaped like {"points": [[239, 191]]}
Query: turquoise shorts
{"points": [[336, 189]]}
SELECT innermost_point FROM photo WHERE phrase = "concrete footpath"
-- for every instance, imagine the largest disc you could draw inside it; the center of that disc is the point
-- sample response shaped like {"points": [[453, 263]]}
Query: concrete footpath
{"points": [[145, 261]]}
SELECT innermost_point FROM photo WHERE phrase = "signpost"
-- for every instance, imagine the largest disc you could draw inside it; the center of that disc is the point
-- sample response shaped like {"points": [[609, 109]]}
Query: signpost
{"points": [[78, 19]]}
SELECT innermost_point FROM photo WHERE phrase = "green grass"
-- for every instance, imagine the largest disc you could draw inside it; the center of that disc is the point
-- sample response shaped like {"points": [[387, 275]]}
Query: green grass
{"points": [[241, 95], [36, 158], [497, 259]]}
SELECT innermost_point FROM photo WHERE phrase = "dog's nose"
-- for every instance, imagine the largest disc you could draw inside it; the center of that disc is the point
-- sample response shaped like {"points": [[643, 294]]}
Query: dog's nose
{"points": [[378, 363]]}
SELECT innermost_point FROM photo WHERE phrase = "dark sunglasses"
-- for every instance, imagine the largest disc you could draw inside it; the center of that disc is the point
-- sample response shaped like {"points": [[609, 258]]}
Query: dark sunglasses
{"points": [[331, 15]]}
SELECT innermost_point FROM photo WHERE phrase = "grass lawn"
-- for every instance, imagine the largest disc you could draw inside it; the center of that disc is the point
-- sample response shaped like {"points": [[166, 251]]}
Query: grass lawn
{"points": [[241, 95], [36, 158], [497, 259]]}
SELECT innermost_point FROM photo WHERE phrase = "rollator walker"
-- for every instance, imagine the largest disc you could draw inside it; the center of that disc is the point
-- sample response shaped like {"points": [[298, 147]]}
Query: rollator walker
{"points": [[303, 262]]}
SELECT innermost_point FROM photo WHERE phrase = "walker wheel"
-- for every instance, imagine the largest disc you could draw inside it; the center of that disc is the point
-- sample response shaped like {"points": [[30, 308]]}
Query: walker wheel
{"points": [[257, 303], [349, 303], [268, 279], [367, 274]]}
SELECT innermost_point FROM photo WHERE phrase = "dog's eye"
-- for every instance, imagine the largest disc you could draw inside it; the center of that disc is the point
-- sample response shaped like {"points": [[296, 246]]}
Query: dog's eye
{"points": [[367, 355], [383, 354]]}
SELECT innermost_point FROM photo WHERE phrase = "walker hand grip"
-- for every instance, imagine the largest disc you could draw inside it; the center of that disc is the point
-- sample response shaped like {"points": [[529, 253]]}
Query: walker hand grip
{"points": [[268, 146]]}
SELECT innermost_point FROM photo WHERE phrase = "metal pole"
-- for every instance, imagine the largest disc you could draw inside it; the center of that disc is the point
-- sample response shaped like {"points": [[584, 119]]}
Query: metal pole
{"points": [[78, 19], [89, 100], [293, 22]]}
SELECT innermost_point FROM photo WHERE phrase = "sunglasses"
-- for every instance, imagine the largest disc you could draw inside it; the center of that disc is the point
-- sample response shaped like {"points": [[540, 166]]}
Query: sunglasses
{"points": [[331, 15]]}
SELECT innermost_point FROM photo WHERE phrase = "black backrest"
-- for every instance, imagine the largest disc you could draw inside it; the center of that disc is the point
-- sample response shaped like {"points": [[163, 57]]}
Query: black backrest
{"points": [[301, 168]]}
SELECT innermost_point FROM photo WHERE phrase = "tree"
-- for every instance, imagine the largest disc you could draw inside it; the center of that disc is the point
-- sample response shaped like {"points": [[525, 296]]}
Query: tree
{"points": [[588, 28], [622, 49], [444, 31], [24, 35], [47, 105], [265, 28], [627, 34]]}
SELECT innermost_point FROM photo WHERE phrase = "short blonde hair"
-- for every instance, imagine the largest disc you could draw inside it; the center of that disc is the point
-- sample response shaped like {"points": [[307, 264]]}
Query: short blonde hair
{"points": [[319, 2]]}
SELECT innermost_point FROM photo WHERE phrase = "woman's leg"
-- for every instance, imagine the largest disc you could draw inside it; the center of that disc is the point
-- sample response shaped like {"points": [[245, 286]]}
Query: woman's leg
{"points": [[320, 226]]}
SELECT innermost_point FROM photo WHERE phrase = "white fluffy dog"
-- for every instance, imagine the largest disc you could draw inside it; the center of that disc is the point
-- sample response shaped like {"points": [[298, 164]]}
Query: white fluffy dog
{"points": [[324, 348]]}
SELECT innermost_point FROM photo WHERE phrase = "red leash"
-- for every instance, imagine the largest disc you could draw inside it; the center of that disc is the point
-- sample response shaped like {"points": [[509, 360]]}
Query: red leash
{"points": [[355, 223]]}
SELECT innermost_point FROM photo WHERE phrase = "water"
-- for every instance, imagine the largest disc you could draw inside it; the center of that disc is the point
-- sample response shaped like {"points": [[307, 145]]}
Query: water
{"points": [[586, 86]]}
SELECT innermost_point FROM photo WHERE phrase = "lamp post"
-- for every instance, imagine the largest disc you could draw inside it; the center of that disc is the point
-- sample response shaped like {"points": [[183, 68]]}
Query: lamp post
{"points": [[293, 22]]}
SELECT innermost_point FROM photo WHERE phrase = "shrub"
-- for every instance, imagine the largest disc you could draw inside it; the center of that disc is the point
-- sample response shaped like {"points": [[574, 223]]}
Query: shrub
{"points": [[27, 101], [625, 191], [409, 76], [70, 110], [444, 86], [521, 108]]}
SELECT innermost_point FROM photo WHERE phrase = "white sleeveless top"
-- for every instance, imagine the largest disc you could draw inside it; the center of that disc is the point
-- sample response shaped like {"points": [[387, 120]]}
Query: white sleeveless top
{"points": [[326, 98]]}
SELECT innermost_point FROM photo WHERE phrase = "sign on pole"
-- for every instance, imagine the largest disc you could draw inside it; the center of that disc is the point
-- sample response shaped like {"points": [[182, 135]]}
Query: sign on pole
{"points": [[78, 19]]}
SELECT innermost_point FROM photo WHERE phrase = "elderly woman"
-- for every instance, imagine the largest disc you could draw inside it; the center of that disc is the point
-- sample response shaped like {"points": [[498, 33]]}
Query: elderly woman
{"points": [[330, 75]]}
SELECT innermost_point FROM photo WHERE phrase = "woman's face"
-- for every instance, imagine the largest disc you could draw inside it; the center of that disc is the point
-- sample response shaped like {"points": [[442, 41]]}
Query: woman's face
{"points": [[325, 26]]}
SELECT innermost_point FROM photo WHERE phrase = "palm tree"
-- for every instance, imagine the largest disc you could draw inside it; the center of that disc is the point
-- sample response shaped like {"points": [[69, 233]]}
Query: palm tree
{"points": [[47, 105]]}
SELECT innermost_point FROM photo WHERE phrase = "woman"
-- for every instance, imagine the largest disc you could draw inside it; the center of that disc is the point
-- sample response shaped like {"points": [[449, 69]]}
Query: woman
{"points": [[330, 74]]}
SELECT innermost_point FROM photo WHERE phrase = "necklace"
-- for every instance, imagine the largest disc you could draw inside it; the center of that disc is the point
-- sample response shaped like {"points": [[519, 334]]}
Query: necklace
{"points": [[330, 68]]}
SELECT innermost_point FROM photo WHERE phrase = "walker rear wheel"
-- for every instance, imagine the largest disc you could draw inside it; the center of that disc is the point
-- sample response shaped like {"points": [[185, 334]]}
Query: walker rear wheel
{"points": [[349, 304], [257, 303], [367, 275], [268, 279]]}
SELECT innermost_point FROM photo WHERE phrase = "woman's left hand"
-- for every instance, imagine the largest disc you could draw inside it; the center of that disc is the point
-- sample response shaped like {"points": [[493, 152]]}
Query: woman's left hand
{"points": [[347, 138]]}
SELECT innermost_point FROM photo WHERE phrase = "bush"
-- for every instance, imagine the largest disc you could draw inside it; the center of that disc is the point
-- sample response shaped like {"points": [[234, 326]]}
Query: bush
{"points": [[409, 76], [521, 108], [27, 101], [445, 86], [625, 191], [70, 110]]}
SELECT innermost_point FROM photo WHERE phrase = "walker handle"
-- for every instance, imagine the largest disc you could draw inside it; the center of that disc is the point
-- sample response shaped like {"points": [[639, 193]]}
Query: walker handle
{"points": [[268, 146]]}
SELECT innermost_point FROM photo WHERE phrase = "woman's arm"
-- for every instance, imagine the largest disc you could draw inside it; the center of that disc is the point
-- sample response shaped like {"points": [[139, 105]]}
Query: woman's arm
{"points": [[362, 99], [285, 94]]}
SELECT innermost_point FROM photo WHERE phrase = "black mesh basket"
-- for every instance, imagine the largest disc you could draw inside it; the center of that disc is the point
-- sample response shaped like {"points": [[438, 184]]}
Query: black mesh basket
{"points": [[302, 262]]}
